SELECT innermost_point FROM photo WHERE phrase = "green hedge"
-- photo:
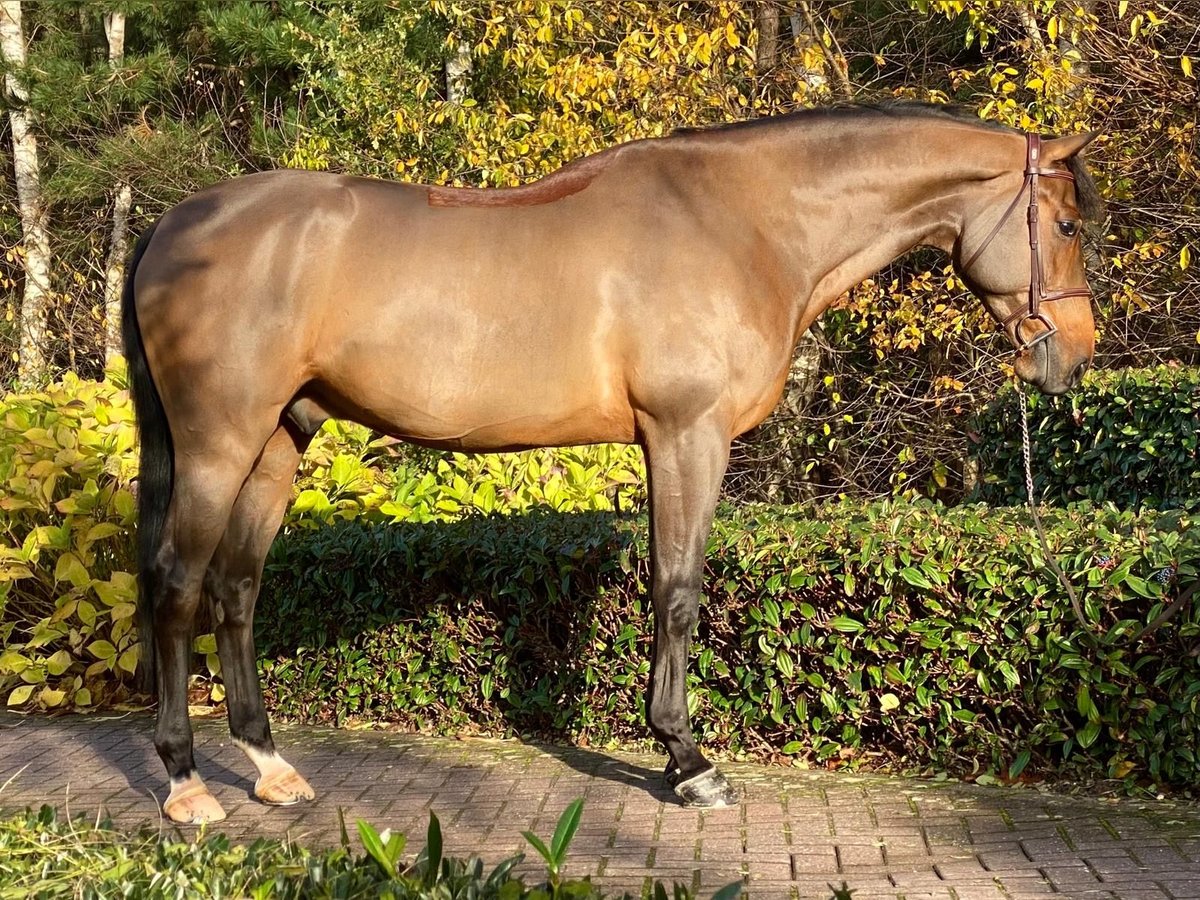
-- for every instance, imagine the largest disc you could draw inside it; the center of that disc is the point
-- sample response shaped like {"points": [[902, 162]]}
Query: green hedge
{"points": [[1128, 437], [930, 636]]}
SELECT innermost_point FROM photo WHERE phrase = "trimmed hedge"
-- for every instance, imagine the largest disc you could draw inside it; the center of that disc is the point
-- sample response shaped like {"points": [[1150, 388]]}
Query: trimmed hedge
{"points": [[1129, 437], [930, 636]]}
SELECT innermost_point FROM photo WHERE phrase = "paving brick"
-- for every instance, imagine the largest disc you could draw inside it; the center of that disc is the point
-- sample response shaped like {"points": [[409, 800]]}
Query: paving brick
{"points": [[794, 833]]}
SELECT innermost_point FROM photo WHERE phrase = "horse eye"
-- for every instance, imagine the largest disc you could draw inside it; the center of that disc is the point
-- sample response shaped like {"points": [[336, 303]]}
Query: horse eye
{"points": [[1068, 228]]}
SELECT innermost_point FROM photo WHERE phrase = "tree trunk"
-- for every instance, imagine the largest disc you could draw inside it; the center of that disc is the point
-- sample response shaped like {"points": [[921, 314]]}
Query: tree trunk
{"points": [[1032, 31], [114, 269], [114, 31], [458, 73], [35, 302], [766, 56]]}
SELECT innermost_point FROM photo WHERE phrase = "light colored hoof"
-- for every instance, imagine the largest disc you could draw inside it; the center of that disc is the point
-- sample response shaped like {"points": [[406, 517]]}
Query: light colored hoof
{"points": [[708, 790], [193, 805], [283, 788]]}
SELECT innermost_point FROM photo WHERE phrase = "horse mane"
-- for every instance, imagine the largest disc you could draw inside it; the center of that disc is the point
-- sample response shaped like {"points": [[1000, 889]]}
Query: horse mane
{"points": [[570, 179], [1091, 206], [909, 109]]}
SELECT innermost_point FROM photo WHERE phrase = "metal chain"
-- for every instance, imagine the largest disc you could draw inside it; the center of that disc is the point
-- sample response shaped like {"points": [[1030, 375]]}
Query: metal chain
{"points": [[1025, 448], [1037, 519]]}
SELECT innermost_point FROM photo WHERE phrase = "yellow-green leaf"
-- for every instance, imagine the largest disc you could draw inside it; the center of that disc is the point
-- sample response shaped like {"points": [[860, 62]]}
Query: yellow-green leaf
{"points": [[13, 663], [129, 659], [69, 568], [124, 504], [205, 643], [52, 697], [59, 662], [102, 649], [112, 592], [20, 695], [101, 531], [123, 611]]}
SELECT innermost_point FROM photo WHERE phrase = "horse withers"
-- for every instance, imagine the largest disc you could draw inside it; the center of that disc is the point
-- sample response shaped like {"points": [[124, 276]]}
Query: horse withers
{"points": [[652, 294]]}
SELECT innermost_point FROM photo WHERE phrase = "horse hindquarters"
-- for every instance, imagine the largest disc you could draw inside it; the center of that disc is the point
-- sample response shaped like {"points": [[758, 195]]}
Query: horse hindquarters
{"points": [[214, 385]]}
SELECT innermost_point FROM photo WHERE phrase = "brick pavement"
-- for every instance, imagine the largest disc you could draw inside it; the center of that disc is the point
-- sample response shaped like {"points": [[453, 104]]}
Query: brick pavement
{"points": [[794, 833]]}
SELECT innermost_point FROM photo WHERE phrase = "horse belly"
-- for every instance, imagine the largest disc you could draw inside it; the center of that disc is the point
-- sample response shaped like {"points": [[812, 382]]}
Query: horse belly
{"points": [[448, 377]]}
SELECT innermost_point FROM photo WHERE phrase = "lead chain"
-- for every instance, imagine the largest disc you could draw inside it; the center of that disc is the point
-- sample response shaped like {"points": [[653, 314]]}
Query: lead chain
{"points": [[1037, 519]]}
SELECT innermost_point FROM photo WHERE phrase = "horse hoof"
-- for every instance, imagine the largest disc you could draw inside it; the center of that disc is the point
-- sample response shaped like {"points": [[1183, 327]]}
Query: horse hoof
{"points": [[283, 788], [193, 805], [708, 790]]}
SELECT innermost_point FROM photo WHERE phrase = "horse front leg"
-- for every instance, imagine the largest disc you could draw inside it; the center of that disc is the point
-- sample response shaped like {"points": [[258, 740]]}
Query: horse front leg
{"points": [[685, 466]]}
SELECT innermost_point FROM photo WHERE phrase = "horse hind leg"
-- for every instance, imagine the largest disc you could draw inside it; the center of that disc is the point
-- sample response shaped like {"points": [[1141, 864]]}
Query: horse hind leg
{"points": [[232, 584], [206, 485]]}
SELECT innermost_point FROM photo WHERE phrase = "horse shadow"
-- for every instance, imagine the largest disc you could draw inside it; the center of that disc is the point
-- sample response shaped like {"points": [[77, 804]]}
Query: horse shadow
{"points": [[500, 624]]}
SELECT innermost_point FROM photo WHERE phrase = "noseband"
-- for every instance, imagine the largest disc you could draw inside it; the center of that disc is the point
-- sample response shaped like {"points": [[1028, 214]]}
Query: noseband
{"points": [[1037, 289]]}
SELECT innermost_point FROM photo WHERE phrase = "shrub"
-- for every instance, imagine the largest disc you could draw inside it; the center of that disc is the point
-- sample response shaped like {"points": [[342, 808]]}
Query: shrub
{"points": [[67, 595], [68, 466], [1128, 437], [348, 473], [928, 633], [931, 636]]}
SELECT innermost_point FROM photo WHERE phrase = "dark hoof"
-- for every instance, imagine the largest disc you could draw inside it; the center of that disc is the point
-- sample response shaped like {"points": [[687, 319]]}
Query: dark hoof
{"points": [[707, 790]]}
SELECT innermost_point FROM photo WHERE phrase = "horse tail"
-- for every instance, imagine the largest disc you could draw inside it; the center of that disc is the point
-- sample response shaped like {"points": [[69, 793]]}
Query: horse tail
{"points": [[156, 470]]}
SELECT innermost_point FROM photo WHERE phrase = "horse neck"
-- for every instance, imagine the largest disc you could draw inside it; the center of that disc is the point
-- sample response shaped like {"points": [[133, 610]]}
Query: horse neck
{"points": [[844, 199]]}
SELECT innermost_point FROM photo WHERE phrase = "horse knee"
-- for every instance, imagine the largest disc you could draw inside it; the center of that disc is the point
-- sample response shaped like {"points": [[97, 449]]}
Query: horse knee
{"points": [[178, 599], [677, 603], [233, 597]]}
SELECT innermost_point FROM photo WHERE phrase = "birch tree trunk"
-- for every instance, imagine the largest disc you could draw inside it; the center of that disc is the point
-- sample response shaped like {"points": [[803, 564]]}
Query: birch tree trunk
{"points": [[114, 270], [458, 73], [35, 302]]}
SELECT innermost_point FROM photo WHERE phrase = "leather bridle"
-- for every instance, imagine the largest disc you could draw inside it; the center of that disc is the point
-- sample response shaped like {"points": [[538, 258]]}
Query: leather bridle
{"points": [[1037, 288]]}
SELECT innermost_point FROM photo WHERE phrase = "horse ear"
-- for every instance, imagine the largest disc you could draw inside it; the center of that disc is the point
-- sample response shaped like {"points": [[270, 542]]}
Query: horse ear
{"points": [[1063, 148]]}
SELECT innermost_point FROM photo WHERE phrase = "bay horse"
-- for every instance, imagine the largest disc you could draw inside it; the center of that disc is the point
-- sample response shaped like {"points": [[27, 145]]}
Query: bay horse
{"points": [[652, 293]]}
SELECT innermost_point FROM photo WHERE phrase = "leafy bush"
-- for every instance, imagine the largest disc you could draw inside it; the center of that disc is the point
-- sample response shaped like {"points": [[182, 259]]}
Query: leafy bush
{"points": [[1128, 437], [67, 595], [43, 856], [68, 466], [930, 635], [348, 473]]}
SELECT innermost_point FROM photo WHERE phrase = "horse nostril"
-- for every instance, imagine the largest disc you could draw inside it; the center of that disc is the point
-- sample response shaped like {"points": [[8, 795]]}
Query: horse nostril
{"points": [[1077, 373]]}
